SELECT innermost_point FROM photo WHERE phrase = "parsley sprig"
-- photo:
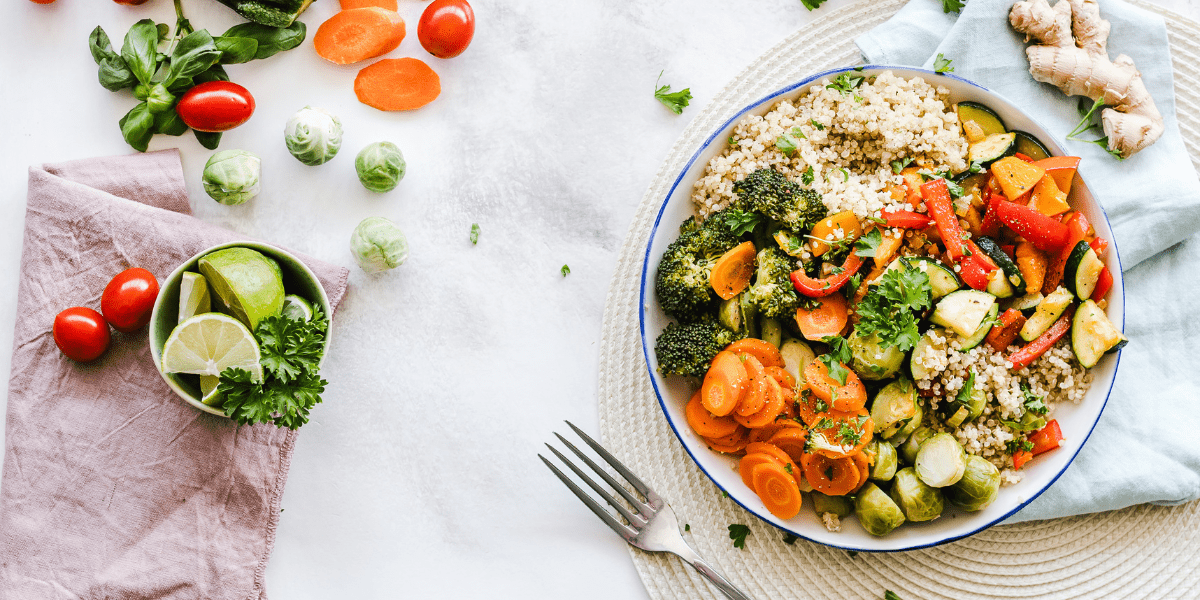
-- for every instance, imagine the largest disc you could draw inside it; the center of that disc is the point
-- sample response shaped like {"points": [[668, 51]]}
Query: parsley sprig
{"points": [[740, 222], [887, 309], [676, 101], [846, 82], [941, 64], [837, 357], [1033, 403], [738, 533], [953, 6], [1087, 123]]}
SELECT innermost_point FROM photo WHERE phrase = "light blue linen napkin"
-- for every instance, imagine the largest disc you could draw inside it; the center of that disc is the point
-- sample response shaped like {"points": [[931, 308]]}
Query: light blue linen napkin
{"points": [[1146, 447]]}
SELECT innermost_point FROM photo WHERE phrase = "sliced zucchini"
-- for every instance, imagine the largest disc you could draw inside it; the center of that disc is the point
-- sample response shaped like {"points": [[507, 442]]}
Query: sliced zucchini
{"points": [[919, 371], [1002, 260], [941, 279], [1082, 270], [992, 148], [963, 311], [988, 322], [894, 407], [1027, 303], [941, 460], [983, 117], [1093, 335], [999, 286], [871, 360], [1048, 311], [1030, 146]]}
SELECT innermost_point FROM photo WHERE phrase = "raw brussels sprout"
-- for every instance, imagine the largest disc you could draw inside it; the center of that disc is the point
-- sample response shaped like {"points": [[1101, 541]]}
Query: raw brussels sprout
{"points": [[908, 450], [871, 360], [877, 513], [941, 460], [378, 245], [886, 460], [838, 505], [380, 166], [920, 502], [232, 176], [979, 486], [313, 136], [894, 408]]}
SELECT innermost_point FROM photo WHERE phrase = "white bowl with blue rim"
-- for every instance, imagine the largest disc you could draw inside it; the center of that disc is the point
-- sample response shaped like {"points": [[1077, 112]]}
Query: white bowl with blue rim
{"points": [[1076, 420]]}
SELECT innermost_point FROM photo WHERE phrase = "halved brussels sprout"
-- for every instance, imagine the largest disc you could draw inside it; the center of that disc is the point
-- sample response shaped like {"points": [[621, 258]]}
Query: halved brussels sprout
{"points": [[979, 486], [886, 460], [838, 505], [796, 356], [313, 136], [770, 330], [378, 245], [871, 360], [877, 512], [730, 313], [908, 450], [920, 502], [941, 460], [232, 176], [894, 408], [965, 407], [380, 166]]}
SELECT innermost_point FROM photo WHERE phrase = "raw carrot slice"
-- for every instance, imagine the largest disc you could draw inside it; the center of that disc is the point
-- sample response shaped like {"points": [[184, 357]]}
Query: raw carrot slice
{"points": [[849, 396], [384, 4], [778, 490], [769, 412], [790, 440], [724, 383], [358, 34], [764, 433], [864, 469], [830, 476], [756, 395], [780, 375], [765, 352], [397, 84], [704, 423], [839, 434], [732, 272], [826, 320], [730, 444]]}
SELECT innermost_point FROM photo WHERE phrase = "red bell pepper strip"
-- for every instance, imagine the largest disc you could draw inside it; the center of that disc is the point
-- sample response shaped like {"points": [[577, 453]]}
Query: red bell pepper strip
{"points": [[1103, 284], [976, 267], [1099, 246], [1023, 157], [1046, 438], [937, 202], [1045, 233], [1077, 227], [991, 223], [1002, 335], [906, 219], [1020, 457], [1009, 249], [1025, 356], [819, 288]]}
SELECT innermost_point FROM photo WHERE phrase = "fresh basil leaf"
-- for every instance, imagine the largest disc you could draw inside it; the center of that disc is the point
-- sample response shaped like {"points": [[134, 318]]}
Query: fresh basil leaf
{"points": [[170, 123], [164, 30], [137, 126], [208, 139], [194, 54], [100, 45], [214, 73], [141, 50], [271, 40], [236, 50], [113, 74], [160, 99]]}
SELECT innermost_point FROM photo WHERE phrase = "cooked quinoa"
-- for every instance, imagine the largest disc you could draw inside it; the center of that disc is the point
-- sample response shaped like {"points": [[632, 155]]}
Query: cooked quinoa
{"points": [[848, 138]]}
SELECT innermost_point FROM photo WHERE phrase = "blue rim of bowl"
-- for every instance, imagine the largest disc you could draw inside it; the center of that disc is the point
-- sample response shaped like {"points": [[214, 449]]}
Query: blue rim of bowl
{"points": [[646, 272]]}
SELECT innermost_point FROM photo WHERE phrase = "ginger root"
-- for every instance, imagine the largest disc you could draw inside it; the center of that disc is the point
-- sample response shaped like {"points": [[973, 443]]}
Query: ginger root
{"points": [[1071, 53]]}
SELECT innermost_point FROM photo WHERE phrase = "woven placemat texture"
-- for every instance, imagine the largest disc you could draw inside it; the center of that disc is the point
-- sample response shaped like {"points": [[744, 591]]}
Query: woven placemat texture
{"points": [[1147, 552]]}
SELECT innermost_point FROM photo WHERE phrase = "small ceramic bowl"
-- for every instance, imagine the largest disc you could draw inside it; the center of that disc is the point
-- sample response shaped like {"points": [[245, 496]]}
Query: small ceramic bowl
{"points": [[297, 279]]}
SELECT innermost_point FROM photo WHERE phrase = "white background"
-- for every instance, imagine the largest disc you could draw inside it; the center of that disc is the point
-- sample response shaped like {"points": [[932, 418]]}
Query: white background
{"points": [[418, 475]]}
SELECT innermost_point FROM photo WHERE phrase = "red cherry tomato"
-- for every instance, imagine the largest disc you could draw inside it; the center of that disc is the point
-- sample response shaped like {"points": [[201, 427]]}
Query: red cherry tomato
{"points": [[216, 106], [129, 298], [43, 1], [81, 333], [126, 2], [446, 27]]}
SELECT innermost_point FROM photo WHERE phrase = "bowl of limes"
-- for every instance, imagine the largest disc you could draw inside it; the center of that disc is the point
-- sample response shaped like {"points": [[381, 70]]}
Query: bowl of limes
{"points": [[240, 330]]}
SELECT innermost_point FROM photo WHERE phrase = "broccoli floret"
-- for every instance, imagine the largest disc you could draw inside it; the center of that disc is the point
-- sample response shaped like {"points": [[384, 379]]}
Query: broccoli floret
{"points": [[773, 293], [689, 349], [682, 284], [767, 191]]}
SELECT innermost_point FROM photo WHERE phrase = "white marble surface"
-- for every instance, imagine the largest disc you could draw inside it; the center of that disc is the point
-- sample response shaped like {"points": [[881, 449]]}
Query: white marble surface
{"points": [[417, 477]]}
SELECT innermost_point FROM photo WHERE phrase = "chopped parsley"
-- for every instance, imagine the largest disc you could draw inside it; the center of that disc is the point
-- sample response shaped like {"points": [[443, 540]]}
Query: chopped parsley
{"points": [[732, 140], [676, 101], [817, 125], [740, 222], [474, 233], [789, 539], [1014, 446], [898, 165], [565, 270], [887, 309], [807, 176], [1033, 403], [812, 5], [788, 467], [868, 244], [738, 533], [941, 64], [789, 141], [846, 82], [687, 527], [889, 594], [835, 360], [952, 6]]}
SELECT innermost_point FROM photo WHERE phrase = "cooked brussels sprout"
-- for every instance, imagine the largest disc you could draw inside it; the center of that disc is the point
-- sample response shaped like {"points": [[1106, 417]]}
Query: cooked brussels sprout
{"points": [[838, 505], [378, 245], [796, 356], [886, 460], [964, 407], [894, 408], [380, 166], [920, 502], [908, 450], [770, 330], [941, 460], [912, 425], [871, 360], [1027, 422], [232, 176], [979, 486], [877, 512], [313, 136]]}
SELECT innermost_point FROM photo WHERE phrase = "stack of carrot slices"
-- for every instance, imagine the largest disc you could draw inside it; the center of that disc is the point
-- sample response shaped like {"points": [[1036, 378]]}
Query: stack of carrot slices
{"points": [[787, 432]]}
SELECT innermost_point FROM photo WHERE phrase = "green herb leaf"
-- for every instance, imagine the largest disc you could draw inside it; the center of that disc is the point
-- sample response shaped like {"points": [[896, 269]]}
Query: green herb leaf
{"points": [[271, 40], [291, 348], [846, 82], [236, 50], [738, 533], [868, 243], [941, 64], [740, 222], [140, 51], [968, 388], [137, 126], [845, 174], [676, 101], [899, 165], [887, 308], [474, 233], [208, 139], [565, 270], [952, 6], [1033, 403], [114, 74], [889, 594], [214, 73], [285, 404], [687, 527], [789, 539], [812, 5], [818, 125], [807, 176], [169, 122], [194, 54]]}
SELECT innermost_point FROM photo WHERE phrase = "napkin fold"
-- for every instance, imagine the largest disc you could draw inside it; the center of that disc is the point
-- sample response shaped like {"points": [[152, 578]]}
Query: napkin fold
{"points": [[1144, 447], [113, 487]]}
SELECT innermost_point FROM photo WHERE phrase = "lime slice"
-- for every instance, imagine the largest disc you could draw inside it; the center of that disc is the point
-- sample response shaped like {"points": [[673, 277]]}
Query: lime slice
{"points": [[208, 387], [209, 343], [249, 284], [297, 308], [194, 298]]}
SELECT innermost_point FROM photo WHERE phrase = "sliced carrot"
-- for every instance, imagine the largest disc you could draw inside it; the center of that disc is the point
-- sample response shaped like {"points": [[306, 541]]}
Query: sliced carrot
{"points": [[849, 396], [827, 319], [756, 394], [397, 84], [730, 444], [838, 434], [863, 464], [778, 490], [752, 459], [808, 407], [771, 449], [732, 272], [358, 34], [790, 440], [781, 375], [788, 395], [830, 476], [765, 432], [704, 423], [384, 4], [770, 411], [724, 383]]}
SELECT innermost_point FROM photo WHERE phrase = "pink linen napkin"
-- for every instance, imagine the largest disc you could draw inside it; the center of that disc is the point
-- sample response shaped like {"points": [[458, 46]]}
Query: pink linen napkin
{"points": [[113, 487]]}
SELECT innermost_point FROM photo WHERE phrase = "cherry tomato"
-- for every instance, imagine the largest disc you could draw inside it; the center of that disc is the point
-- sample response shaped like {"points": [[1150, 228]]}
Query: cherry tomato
{"points": [[446, 27], [216, 106], [129, 298], [81, 333], [127, 2], [43, 1]]}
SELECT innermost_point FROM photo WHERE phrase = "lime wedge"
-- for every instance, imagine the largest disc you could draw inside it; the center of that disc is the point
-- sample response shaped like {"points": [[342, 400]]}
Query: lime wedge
{"points": [[208, 388], [209, 343], [248, 284], [194, 298], [297, 308]]}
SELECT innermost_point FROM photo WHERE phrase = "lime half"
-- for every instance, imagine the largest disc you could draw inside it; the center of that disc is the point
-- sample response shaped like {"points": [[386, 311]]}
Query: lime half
{"points": [[194, 298], [248, 284], [208, 388], [209, 343], [297, 308]]}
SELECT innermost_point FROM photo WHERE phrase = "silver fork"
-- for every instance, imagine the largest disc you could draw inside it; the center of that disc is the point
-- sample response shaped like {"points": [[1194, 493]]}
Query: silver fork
{"points": [[654, 528]]}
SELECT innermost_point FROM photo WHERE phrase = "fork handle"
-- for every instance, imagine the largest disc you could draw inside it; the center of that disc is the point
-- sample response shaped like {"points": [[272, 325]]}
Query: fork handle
{"points": [[712, 574]]}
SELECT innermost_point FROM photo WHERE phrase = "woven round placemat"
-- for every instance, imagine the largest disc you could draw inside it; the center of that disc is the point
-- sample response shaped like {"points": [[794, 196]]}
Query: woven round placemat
{"points": [[1145, 551]]}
